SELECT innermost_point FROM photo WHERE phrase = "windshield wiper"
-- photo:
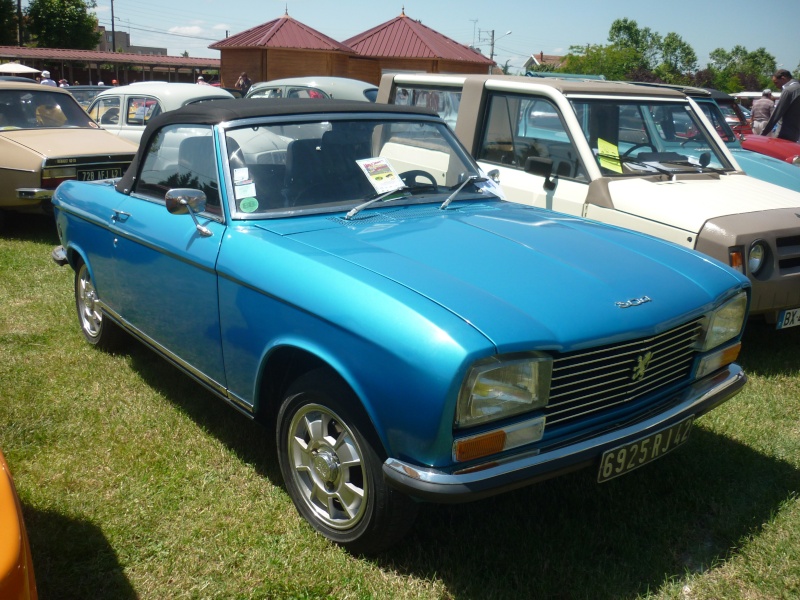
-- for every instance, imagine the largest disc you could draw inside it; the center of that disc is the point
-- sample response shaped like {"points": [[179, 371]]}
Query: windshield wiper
{"points": [[633, 161], [357, 209], [470, 179], [699, 167]]}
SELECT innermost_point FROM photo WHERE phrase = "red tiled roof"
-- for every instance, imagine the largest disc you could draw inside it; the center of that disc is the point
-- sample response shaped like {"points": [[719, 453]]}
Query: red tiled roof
{"points": [[284, 32], [403, 37], [93, 56]]}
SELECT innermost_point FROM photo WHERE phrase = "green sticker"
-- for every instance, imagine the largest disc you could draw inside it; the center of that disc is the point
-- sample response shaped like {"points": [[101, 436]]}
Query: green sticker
{"points": [[248, 205]]}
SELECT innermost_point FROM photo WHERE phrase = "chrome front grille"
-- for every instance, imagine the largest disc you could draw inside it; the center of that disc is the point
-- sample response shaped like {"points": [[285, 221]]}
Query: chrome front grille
{"points": [[590, 381]]}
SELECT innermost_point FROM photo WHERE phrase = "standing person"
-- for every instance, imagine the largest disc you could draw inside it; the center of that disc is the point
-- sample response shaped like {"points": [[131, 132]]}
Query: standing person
{"points": [[788, 109], [46, 79], [761, 111], [201, 81], [243, 83]]}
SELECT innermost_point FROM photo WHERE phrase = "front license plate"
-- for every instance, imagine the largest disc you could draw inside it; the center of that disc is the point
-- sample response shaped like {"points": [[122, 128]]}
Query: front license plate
{"points": [[631, 456], [97, 174], [789, 318]]}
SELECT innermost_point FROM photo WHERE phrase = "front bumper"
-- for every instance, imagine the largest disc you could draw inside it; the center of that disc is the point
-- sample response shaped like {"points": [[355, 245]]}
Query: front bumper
{"points": [[436, 485]]}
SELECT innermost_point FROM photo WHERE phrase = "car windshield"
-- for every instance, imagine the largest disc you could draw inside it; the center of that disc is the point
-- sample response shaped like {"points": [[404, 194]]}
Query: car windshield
{"points": [[633, 138], [328, 166], [26, 109]]}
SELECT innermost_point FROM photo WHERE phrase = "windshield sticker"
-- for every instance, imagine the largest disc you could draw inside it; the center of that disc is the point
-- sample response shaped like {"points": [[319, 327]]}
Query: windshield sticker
{"points": [[248, 205], [381, 174], [241, 175], [609, 156], [245, 190]]}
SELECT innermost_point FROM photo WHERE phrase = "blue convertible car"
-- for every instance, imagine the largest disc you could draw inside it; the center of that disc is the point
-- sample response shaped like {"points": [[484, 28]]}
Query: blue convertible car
{"points": [[345, 273]]}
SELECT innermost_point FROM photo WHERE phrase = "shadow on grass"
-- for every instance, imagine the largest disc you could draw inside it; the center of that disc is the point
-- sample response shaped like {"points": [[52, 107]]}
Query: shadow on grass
{"points": [[30, 228], [564, 538], [73, 559], [767, 351]]}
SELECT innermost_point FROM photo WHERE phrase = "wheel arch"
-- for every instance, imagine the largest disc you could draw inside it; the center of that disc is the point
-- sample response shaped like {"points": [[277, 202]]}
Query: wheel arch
{"points": [[284, 365]]}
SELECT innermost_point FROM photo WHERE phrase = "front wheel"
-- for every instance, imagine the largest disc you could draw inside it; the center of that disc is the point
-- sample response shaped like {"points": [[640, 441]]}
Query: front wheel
{"points": [[97, 330], [332, 471]]}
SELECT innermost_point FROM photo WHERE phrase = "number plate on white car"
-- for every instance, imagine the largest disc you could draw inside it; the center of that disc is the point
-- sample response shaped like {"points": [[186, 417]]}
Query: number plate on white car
{"points": [[789, 318], [631, 456]]}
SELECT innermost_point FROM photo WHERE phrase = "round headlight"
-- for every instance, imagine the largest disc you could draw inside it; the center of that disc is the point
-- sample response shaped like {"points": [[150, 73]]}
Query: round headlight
{"points": [[756, 257], [796, 160]]}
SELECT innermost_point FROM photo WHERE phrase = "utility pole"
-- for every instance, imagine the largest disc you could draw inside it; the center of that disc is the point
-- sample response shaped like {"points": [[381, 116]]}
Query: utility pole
{"points": [[113, 31]]}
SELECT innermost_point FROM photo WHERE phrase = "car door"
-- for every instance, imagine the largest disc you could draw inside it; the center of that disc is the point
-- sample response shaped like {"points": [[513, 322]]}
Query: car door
{"points": [[105, 110], [520, 130], [167, 284]]}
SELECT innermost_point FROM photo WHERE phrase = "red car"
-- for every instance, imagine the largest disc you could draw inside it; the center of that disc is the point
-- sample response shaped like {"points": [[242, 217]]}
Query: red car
{"points": [[774, 147]]}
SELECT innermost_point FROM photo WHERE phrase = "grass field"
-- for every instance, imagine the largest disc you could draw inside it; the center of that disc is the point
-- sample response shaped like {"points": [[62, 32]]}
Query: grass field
{"points": [[136, 483]]}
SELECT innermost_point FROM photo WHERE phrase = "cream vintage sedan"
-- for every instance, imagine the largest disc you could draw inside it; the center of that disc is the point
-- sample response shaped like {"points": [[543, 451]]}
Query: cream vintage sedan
{"points": [[46, 138]]}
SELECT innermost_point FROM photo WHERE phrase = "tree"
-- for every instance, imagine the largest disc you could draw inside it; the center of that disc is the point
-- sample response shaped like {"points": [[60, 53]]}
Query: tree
{"points": [[612, 61], [626, 33], [8, 23], [739, 69], [63, 24]]}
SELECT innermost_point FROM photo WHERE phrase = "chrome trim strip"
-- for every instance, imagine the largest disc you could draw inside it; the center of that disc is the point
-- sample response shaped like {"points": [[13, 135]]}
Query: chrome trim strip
{"points": [[212, 385]]}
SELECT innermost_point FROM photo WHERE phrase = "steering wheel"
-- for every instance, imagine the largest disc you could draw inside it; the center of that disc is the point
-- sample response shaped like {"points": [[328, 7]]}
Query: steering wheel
{"points": [[410, 178], [637, 146]]}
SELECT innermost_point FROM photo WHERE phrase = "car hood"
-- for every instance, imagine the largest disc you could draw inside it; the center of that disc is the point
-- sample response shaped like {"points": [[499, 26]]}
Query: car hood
{"points": [[518, 273], [54, 143], [767, 168], [778, 147], [688, 203]]}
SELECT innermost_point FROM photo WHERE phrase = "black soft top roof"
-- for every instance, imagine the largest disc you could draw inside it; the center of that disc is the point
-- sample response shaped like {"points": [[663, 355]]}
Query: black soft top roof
{"points": [[219, 111]]}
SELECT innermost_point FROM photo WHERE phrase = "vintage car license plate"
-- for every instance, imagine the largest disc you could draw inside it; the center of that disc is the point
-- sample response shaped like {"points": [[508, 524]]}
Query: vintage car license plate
{"points": [[96, 174], [625, 459], [789, 318]]}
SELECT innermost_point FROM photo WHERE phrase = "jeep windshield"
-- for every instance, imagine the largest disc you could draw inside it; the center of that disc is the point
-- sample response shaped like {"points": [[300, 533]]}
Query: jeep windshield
{"points": [[641, 137]]}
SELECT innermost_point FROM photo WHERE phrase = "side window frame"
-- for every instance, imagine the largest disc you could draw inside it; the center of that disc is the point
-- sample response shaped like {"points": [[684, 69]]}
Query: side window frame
{"points": [[508, 138], [170, 162]]}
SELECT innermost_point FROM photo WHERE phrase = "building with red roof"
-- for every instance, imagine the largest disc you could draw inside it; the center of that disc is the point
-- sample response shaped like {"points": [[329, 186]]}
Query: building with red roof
{"points": [[285, 47]]}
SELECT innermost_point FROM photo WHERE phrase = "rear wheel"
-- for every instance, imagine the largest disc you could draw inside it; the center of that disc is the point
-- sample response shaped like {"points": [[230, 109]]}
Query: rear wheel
{"points": [[333, 472], [97, 330]]}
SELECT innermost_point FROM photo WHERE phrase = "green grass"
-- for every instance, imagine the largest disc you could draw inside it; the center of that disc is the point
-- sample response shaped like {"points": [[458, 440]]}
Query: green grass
{"points": [[136, 483]]}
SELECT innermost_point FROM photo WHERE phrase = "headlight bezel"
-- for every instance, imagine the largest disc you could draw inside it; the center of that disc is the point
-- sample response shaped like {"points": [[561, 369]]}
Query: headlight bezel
{"points": [[488, 395]]}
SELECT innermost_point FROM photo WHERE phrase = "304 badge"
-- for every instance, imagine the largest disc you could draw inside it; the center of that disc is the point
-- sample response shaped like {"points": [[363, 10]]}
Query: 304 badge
{"points": [[624, 459]]}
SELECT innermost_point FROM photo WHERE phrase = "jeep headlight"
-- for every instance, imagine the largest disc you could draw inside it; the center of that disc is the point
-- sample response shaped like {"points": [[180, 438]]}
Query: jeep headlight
{"points": [[725, 322], [502, 386], [756, 256]]}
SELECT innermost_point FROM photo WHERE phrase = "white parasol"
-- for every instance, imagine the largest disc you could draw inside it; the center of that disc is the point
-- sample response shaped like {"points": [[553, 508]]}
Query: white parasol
{"points": [[13, 68]]}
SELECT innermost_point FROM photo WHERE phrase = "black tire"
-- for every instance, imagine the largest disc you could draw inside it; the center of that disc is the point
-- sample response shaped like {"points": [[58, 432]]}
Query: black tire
{"points": [[96, 328], [332, 470]]}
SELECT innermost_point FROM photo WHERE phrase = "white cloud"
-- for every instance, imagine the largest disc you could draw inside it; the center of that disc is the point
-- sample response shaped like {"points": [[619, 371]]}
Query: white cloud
{"points": [[222, 27], [187, 30]]}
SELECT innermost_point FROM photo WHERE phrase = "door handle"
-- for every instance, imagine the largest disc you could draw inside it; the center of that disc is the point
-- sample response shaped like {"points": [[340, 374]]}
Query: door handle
{"points": [[120, 216]]}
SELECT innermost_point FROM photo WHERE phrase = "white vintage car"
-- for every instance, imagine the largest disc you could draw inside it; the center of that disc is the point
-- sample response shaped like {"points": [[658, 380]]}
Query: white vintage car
{"points": [[643, 158], [125, 110]]}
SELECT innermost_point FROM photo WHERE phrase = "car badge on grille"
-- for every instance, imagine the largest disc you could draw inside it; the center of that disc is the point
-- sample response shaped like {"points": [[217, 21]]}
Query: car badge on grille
{"points": [[634, 302], [642, 362]]}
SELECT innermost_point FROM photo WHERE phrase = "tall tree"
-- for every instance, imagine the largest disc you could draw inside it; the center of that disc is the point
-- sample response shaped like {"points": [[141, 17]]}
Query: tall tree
{"points": [[626, 33], [63, 24], [8, 23]]}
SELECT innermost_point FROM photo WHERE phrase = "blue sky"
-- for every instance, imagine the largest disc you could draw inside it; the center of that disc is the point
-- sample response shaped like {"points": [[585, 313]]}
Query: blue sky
{"points": [[549, 27]]}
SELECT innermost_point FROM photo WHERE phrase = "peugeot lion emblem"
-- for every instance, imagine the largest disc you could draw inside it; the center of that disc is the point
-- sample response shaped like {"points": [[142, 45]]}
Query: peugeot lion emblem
{"points": [[642, 361], [633, 302]]}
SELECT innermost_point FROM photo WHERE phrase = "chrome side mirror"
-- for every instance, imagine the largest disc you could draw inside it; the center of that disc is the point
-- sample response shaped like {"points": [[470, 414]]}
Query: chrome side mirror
{"points": [[186, 200]]}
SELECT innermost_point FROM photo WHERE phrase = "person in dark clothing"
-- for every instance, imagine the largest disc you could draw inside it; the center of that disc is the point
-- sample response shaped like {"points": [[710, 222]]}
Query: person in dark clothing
{"points": [[788, 109], [243, 83]]}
